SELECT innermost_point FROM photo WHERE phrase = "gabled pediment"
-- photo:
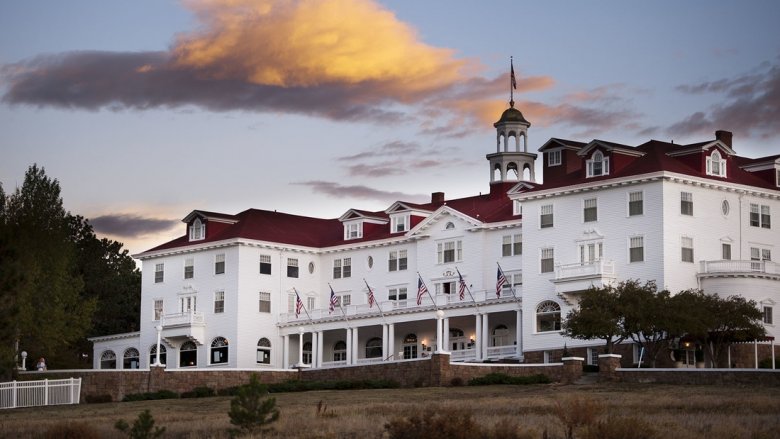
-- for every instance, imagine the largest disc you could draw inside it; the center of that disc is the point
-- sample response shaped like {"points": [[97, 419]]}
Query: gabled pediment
{"points": [[209, 216], [356, 215], [609, 147], [400, 206], [702, 147], [442, 216], [555, 143], [521, 187]]}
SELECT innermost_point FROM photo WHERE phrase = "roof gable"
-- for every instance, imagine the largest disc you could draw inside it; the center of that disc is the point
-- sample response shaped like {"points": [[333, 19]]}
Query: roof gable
{"points": [[610, 147], [440, 215]]}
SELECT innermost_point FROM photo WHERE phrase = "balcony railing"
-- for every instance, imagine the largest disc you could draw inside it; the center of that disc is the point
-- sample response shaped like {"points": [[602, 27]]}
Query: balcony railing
{"points": [[190, 318], [502, 351], [463, 355], [739, 267], [406, 305], [587, 269]]}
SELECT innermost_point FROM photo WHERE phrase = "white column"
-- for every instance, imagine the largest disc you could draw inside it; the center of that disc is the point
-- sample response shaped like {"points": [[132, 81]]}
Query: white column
{"points": [[391, 340], [446, 335], [300, 346], [349, 345], [485, 336], [314, 349], [320, 350], [478, 335], [439, 329], [355, 350], [385, 332], [519, 333], [157, 356], [286, 352]]}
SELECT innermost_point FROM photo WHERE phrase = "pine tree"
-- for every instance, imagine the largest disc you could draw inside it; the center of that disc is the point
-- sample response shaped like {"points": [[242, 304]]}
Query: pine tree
{"points": [[252, 410]]}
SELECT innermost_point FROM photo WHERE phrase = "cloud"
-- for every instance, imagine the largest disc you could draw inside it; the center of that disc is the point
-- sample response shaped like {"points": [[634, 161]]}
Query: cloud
{"points": [[751, 107], [395, 158], [337, 190], [131, 226]]}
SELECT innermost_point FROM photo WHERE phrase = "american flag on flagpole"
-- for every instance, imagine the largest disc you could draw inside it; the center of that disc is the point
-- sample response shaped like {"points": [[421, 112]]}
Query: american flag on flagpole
{"points": [[371, 298], [421, 289], [298, 305], [334, 301], [461, 286], [500, 281], [514, 81]]}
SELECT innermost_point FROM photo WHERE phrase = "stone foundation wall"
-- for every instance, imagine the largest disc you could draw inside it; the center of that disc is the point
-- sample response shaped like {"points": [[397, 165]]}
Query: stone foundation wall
{"points": [[764, 377]]}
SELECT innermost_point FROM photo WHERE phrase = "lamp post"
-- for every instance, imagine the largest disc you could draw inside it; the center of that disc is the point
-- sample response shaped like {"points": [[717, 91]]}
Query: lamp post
{"points": [[24, 360]]}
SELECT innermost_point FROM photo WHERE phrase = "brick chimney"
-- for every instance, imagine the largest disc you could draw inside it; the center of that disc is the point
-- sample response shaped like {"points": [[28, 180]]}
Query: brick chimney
{"points": [[724, 136], [437, 197]]}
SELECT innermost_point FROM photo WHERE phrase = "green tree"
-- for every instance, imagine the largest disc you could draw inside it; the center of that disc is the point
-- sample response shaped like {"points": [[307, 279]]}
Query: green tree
{"points": [[598, 316], [252, 410], [143, 427], [647, 317]]}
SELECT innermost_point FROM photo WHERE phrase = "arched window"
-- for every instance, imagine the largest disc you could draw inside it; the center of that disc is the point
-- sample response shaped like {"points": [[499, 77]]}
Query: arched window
{"points": [[450, 225], [410, 346], [374, 348], [548, 316], [153, 354], [197, 230], [131, 359], [512, 172], [307, 353], [598, 165], [219, 350], [497, 172], [340, 351], [716, 165], [108, 360], [500, 335], [264, 351], [188, 355]]}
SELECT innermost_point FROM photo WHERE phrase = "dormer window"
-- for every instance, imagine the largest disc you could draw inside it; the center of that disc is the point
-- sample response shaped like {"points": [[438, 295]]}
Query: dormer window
{"points": [[554, 158], [777, 177], [197, 230], [517, 208], [399, 223], [598, 165], [353, 230], [716, 165]]}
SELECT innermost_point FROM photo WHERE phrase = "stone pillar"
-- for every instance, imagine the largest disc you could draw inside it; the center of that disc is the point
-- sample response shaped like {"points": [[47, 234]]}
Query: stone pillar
{"points": [[391, 340], [355, 349], [385, 332], [446, 335], [608, 364], [572, 369], [485, 336], [478, 335], [286, 352]]}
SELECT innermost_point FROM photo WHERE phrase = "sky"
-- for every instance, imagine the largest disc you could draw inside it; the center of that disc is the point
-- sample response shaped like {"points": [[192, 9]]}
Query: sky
{"points": [[147, 110]]}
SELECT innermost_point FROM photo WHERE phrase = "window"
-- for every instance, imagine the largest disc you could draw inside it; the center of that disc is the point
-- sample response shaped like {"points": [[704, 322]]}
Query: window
{"points": [[686, 246], [188, 303], [760, 216], [598, 165], [768, 315], [517, 208], [635, 203], [591, 252], [291, 303], [263, 351], [546, 216], [512, 245], [399, 223], [311, 267], [397, 261], [131, 359], [265, 302], [159, 273], [342, 268], [513, 281], [500, 336], [445, 288], [370, 262], [758, 255], [310, 302], [725, 208], [189, 268], [219, 350], [686, 203], [449, 251], [340, 351], [374, 348], [153, 354], [353, 230], [265, 264], [219, 302], [715, 165], [593, 357], [219, 264], [197, 230], [158, 309], [636, 249], [548, 316], [292, 267], [108, 360], [590, 210], [188, 354], [396, 294], [343, 300], [554, 158], [307, 353], [547, 260], [410, 346], [725, 251]]}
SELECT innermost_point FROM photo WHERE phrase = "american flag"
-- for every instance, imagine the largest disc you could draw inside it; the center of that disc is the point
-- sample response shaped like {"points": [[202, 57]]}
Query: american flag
{"points": [[421, 289], [334, 301], [371, 298], [514, 81], [298, 305], [461, 286], [500, 281]]}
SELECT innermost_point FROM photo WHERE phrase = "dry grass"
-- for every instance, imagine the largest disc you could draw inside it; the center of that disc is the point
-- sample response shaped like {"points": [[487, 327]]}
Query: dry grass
{"points": [[673, 412]]}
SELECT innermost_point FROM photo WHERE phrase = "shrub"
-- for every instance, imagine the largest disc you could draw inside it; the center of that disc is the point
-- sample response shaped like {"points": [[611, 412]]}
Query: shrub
{"points": [[502, 378], [97, 399], [143, 427], [71, 430], [252, 410], [577, 412], [457, 382], [304, 386], [148, 396], [228, 391], [456, 424], [619, 428], [766, 363], [199, 392]]}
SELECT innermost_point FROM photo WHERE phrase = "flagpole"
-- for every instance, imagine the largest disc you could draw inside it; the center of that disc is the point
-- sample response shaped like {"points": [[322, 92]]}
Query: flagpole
{"points": [[460, 276], [341, 308], [511, 83], [511, 287], [311, 322], [377, 303], [436, 307]]}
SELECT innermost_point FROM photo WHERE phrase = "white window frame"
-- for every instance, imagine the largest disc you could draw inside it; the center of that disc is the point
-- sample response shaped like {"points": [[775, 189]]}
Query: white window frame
{"points": [[394, 294], [157, 309], [159, 273], [714, 161], [777, 177], [550, 253], [353, 230], [590, 203], [263, 351], [636, 241], [512, 245], [219, 302], [602, 160], [342, 268], [293, 262], [725, 251], [640, 198], [397, 260], [686, 203], [554, 157], [197, 230], [760, 216], [400, 223], [767, 315], [219, 264], [513, 280], [263, 302], [517, 207], [265, 260], [591, 251], [442, 251], [545, 210], [547, 308], [189, 268], [686, 243]]}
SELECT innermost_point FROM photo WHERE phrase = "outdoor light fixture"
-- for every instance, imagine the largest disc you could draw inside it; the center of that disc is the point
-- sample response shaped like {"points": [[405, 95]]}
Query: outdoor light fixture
{"points": [[24, 360]]}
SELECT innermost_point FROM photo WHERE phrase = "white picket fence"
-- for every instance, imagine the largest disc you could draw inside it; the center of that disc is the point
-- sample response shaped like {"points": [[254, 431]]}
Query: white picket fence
{"points": [[37, 393]]}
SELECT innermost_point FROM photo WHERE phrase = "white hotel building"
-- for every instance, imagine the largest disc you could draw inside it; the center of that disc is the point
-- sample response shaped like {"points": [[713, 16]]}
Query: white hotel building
{"points": [[686, 216]]}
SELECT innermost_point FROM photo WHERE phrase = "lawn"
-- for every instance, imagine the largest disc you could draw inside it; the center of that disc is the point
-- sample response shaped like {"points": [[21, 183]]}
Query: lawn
{"points": [[668, 411]]}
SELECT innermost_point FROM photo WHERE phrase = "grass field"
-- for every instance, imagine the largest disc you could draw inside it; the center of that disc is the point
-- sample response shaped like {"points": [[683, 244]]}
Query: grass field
{"points": [[667, 411]]}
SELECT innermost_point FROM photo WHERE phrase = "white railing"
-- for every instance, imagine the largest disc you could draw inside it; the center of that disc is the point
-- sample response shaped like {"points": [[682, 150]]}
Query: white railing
{"points": [[334, 363], [369, 360], [389, 306], [595, 268], [726, 266], [39, 393], [501, 351], [183, 319], [463, 355]]}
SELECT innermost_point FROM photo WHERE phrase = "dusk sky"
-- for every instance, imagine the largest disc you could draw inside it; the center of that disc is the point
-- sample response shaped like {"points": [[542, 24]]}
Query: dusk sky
{"points": [[145, 110]]}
